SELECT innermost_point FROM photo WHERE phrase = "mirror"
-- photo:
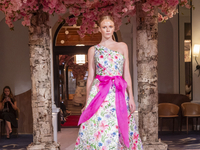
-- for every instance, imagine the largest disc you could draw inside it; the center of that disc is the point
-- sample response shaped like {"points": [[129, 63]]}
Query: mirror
{"points": [[185, 59]]}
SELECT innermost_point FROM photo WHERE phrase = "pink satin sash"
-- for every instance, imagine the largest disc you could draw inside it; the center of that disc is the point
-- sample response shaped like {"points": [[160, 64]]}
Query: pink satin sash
{"points": [[121, 108]]}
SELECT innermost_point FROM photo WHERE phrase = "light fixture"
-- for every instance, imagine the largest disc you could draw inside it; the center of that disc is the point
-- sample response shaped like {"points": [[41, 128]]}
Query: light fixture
{"points": [[196, 50], [196, 54], [66, 32], [62, 41], [80, 59], [80, 44]]}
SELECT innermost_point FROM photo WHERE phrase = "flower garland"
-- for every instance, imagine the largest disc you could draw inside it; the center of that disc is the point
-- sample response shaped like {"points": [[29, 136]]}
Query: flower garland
{"points": [[77, 70], [88, 11]]}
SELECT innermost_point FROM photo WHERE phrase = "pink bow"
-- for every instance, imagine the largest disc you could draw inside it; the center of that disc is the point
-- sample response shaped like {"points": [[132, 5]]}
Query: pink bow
{"points": [[121, 108]]}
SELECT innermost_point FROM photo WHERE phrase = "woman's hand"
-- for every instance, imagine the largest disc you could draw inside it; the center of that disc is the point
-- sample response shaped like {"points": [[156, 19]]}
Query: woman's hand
{"points": [[132, 105], [5, 100], [82, 109], [8, 99]]}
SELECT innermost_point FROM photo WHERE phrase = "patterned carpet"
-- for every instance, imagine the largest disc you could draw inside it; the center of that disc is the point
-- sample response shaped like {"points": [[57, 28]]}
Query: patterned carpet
{"points": [[71, 121], [181, 140], [15, 143]]}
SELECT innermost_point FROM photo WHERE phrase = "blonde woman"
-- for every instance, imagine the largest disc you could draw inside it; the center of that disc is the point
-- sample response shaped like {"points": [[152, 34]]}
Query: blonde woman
{"points": [[107, 121]]}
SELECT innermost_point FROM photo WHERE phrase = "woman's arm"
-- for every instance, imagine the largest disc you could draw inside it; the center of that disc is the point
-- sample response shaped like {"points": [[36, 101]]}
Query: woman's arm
{"points": [[14, 106], [127, 77], [91, 71], [2, 105]]}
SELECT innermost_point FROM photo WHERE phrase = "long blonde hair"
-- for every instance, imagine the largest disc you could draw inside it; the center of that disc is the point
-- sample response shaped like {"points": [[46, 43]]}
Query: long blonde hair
{"points": [[10, 95]]}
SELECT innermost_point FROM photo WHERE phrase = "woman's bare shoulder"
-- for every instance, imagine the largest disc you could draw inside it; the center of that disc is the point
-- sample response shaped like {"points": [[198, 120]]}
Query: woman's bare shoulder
{"points": [[122, 45], [91, 50]]}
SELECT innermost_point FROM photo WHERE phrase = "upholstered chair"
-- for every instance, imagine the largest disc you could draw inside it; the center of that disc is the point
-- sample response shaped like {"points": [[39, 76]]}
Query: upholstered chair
{"points": [[190, 110], [168, 110]]}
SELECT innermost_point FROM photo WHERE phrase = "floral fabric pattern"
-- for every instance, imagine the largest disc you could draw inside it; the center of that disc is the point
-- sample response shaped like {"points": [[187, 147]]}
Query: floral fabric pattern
{"points": [[101, 132]]}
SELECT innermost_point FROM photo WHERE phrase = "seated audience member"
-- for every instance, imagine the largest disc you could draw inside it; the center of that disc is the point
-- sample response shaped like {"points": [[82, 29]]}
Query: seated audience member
{"points": [[64, 110], [8, 106]]}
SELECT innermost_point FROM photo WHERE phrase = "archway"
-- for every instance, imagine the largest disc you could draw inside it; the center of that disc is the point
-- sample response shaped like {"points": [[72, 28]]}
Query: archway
{"points": [[66, 41]]}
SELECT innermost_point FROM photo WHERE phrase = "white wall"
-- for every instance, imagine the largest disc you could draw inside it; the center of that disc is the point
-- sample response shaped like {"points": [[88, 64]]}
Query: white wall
{"points": [[14, 58], [196, 40], [1, 15], [168, 73], [184, 17], [165, 58]]}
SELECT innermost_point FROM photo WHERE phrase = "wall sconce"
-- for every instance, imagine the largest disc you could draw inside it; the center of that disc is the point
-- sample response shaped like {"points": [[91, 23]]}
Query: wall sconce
{"points": [[196, 54]]}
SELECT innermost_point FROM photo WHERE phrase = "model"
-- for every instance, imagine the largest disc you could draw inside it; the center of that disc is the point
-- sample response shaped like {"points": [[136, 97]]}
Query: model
{"points": [[107, 121]]}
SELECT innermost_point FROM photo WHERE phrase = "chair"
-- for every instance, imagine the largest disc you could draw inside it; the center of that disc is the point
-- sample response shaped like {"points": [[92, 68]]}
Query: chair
{"points": [[167, 110], [1, 129], [2, 124], [190, 110], [17, 118]]}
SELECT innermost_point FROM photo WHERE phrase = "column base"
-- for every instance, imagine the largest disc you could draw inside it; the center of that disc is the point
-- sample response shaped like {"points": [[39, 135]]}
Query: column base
{"points": [[44, 146], [155, 146]]}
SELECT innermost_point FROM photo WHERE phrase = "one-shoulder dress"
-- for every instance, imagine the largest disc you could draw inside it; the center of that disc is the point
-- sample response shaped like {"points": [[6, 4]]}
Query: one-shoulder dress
{"points": [[106, 123]]}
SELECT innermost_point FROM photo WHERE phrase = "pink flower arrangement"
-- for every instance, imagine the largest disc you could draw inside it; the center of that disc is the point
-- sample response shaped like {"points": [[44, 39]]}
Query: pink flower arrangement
{"points": [[87, 11]]}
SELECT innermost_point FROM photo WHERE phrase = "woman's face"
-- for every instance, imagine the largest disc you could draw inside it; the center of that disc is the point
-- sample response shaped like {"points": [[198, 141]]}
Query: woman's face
{"points": [[6, 92], [107, 28]]}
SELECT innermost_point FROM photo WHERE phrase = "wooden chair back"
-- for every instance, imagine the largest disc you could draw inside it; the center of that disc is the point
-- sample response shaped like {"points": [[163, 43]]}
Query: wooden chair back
{"points": [[189, 109], [167, 109]]}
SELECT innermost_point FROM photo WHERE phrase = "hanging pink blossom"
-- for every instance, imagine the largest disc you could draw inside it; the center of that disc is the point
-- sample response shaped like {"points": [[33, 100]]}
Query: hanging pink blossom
{"points": [[87, 11]]}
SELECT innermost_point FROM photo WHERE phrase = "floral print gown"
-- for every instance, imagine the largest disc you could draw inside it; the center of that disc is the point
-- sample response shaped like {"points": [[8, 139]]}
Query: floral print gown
{"points": [[100, 132]]}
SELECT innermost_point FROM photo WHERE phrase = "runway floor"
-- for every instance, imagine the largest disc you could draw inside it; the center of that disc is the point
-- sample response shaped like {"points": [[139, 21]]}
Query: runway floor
{"points": [[67, 138]]}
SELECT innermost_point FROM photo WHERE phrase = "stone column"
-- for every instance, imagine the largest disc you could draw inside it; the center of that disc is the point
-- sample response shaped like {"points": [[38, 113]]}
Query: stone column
{"points": [[55, 110], [147, 76], [39, 42]]}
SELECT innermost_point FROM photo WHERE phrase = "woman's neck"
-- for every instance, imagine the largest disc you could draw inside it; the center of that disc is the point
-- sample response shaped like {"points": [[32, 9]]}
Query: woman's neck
{"points": [[105, 42]]}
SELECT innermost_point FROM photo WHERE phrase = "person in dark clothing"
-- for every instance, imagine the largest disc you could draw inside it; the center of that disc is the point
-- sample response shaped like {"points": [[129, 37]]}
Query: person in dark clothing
{"points": [[64, 110], [8, 106]]}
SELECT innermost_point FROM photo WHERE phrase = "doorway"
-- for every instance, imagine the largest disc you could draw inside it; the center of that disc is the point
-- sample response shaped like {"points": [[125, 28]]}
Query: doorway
{"points": [[67, 45]]}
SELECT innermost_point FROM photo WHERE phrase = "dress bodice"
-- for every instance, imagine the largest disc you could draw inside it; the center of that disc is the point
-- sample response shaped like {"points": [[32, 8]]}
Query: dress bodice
{"points": [[108, 62]]}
